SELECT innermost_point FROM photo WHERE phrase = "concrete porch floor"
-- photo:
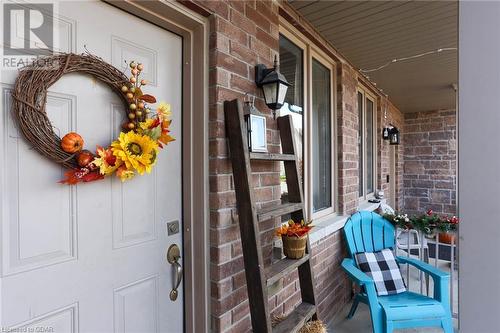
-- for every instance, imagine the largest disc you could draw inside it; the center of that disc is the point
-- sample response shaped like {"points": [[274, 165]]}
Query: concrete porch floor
{"points": [[361, 322]]}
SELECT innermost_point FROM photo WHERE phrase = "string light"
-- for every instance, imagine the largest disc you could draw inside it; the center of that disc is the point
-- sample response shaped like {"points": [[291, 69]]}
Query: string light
{"points": [[365, 71], [408, 58]]}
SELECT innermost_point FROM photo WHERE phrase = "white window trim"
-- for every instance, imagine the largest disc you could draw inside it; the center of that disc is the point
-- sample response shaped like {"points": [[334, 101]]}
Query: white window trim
{"points": [[310, 51], [366, 95], [322, 59]]}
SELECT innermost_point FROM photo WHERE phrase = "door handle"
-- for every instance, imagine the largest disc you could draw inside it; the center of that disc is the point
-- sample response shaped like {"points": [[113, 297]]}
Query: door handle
{"points": [[173, 256]]}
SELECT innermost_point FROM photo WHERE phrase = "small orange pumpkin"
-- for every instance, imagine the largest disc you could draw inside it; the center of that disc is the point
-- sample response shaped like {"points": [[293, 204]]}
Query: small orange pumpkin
{"points": [[72, 143], [84, 158]]}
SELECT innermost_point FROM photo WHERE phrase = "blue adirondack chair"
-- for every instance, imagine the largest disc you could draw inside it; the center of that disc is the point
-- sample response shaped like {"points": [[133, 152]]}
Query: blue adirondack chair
{"points": [[369, 232]]}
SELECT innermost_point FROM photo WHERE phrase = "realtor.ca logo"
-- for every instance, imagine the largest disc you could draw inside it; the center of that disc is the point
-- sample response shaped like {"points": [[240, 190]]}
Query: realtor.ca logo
{"points": [[28, 33]]}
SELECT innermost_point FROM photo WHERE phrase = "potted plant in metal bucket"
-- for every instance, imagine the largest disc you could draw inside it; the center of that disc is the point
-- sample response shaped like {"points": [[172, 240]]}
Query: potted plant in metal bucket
{"points": [[294, 236]]}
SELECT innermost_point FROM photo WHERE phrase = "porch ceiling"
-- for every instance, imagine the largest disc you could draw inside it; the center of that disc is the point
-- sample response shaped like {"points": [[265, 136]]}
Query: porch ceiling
{"points": [[371, 33]]}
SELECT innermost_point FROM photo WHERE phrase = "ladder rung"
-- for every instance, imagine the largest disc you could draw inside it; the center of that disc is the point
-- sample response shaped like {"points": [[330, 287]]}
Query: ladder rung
{"points": [[272, 157], [296, 319], [283, 267], [267, 213]]}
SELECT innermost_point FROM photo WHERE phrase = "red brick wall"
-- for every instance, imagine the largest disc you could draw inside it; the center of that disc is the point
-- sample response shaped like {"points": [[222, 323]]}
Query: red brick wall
{"points": [[243, 34], [348, 128], [394, 117], [430, 161], [333, 288]]}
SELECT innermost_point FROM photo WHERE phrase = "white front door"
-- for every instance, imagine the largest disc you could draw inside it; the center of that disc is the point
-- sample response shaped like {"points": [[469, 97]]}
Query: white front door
{"points": [[92, 257]]}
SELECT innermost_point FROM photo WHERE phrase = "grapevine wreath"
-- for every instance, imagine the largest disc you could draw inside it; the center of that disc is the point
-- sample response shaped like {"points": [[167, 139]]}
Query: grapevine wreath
{"points": [[145, 131]]}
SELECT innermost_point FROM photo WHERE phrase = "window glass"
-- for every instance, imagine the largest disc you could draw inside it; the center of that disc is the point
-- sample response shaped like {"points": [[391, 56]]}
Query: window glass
{"points": [[321, 137], [369, 147], [360, 144], [314, 128], [291, 66], [366, 114]]}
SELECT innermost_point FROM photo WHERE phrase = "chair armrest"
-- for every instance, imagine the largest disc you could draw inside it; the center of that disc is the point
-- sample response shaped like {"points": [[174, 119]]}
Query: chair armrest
{"points": [[355, 273], [424, 267], [362, 279], [441, 279]]}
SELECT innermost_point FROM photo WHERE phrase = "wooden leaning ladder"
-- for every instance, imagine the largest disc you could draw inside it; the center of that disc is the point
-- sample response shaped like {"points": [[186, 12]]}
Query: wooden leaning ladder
{"points": [[258, 277]]}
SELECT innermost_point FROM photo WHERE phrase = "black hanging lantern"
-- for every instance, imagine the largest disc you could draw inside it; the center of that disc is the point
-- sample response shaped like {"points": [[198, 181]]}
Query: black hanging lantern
{"points": [[274, 85], [385, 133], [394, 136]]}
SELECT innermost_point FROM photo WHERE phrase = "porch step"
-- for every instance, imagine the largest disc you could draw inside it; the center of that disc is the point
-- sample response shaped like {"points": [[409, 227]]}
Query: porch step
{"points": [[272, 157], [283, 267], [267, 213], [296, 319]]}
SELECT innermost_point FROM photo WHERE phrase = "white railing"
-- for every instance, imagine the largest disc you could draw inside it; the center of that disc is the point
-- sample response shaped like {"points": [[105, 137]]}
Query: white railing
{"points": [[413, 241]]}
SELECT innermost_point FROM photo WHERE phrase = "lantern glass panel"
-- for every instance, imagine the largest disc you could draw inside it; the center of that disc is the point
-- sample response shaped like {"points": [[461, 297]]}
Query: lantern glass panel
{"points": [[282, 93], [270, 92]]}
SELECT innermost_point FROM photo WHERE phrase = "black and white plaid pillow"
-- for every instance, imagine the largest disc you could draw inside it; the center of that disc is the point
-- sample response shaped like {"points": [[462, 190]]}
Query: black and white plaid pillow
{"points": [[382, 267]]}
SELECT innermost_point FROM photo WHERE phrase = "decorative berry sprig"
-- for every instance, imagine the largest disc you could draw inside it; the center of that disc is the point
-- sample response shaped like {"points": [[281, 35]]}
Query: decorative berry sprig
{"points": [[138, 108]]}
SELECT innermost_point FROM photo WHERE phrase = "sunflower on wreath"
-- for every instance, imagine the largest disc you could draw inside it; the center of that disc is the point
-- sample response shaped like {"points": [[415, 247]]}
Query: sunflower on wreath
{"points": [[136, 149]]}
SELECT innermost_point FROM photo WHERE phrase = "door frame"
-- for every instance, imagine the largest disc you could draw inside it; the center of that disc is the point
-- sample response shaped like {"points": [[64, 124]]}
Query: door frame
{"points": [[193, 28]]}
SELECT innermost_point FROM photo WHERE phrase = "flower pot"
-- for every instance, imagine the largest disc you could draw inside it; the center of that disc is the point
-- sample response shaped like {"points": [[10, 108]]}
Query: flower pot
{"points": [[446, 237], [294, 247]]}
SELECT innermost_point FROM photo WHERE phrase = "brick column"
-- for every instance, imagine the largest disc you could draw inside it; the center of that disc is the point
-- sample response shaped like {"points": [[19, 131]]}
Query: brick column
{"points": [[242, 34], [348, 128]]}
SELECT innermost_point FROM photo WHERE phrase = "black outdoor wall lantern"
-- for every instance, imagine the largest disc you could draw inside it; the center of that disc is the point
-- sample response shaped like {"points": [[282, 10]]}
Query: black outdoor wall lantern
{"points": [[385, 133], [274, 85], [394, 136]]}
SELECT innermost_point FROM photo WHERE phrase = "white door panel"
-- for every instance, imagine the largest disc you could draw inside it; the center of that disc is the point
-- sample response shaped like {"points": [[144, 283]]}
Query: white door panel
{"points": [[92, 258], [33, 198]]}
